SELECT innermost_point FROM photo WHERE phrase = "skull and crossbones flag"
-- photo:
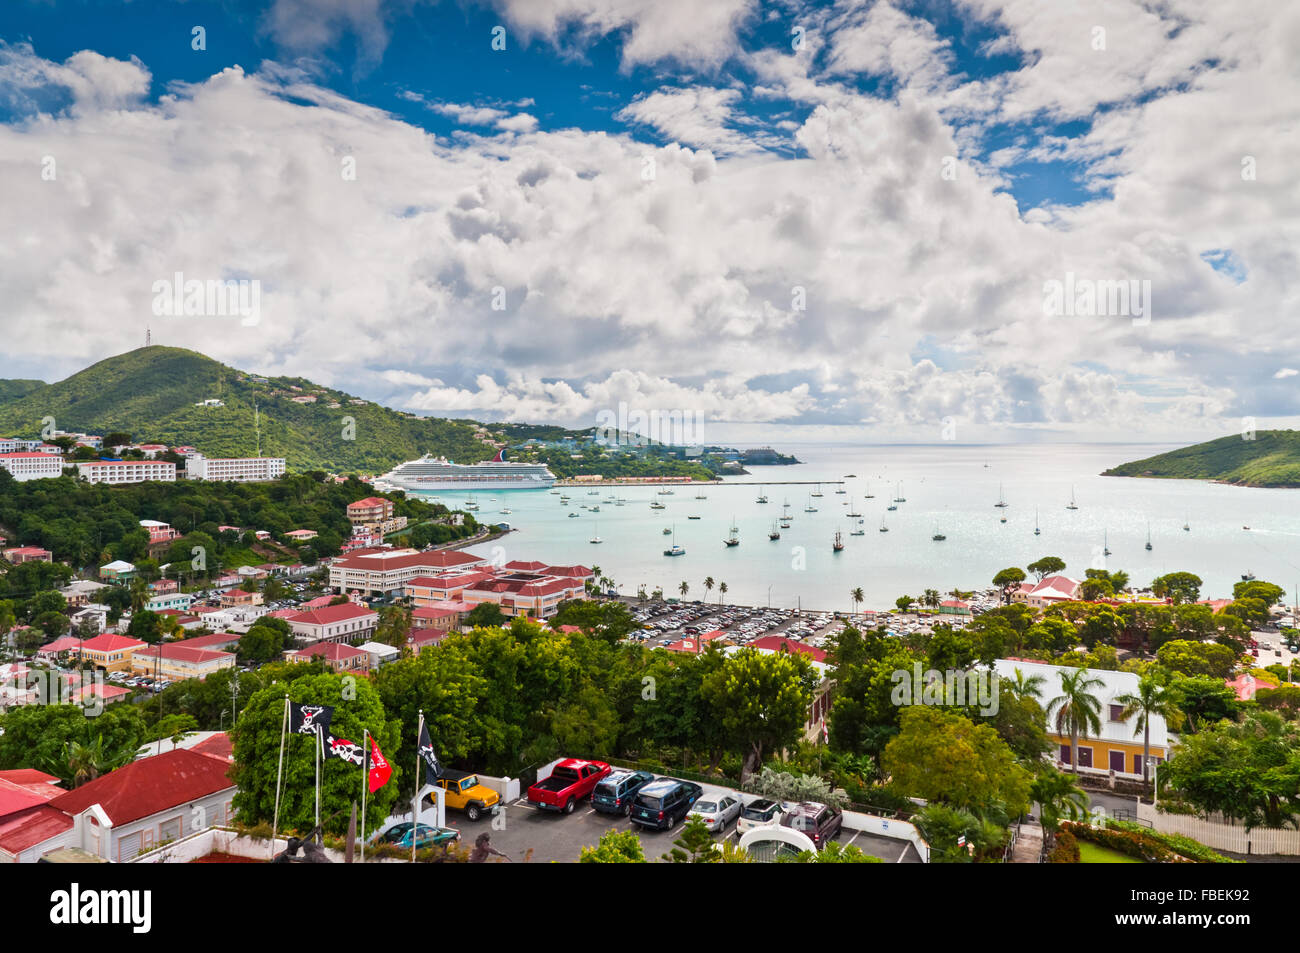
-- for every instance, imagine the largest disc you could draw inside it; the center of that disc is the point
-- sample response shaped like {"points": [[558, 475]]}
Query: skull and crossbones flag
{"points": [[307, 719], [432, 767], [343, 749]]}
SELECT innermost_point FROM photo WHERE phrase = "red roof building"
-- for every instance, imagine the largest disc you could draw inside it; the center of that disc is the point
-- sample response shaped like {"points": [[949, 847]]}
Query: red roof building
{"points": [[778, 643], [149, 786], [336, 656]]}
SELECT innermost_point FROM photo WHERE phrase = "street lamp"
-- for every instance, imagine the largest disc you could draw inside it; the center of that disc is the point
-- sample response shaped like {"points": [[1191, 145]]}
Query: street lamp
{"points": [[1154, 764]]}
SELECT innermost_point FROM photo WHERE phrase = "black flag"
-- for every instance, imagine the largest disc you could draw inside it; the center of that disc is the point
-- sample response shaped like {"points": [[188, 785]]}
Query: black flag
{"points": [[432, 768], [306, 719], [344, 750]]}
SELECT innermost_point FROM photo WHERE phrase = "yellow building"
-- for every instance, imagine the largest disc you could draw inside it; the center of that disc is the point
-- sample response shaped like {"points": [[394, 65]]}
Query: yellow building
{"points": [[109, 652]]}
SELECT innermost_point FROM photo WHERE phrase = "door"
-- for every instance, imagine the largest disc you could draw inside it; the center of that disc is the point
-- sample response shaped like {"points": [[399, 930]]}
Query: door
{"points": [[1065, 754], [1085, 757]]}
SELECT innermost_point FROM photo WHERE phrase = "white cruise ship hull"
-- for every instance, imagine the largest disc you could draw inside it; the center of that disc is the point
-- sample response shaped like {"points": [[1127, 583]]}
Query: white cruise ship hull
{"points": [[435, 474]]}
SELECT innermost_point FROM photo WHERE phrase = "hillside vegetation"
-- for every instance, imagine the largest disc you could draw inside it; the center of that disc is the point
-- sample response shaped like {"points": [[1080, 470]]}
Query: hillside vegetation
{"points": [[151, 393], [1271, 459]]}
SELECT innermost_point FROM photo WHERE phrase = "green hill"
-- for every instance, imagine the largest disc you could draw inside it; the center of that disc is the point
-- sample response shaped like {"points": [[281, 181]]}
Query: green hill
{"points": [[152, 393], [1271, 459]]}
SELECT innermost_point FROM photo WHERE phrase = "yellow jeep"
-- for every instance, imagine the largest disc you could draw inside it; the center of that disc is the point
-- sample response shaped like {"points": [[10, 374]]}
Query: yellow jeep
{"points": [[464, 793]]}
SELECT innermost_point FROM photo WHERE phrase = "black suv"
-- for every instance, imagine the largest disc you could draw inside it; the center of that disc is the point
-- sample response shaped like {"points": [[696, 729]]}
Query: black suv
{"points": [[614, 794], [661, 804]]}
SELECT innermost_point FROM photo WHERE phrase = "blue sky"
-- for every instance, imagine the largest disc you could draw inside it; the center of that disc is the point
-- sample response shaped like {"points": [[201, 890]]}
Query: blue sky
{"points": [[667, 203]]}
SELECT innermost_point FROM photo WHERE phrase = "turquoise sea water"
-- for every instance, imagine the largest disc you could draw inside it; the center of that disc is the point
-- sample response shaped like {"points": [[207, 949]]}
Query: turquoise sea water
{"points": [[948, 489]]}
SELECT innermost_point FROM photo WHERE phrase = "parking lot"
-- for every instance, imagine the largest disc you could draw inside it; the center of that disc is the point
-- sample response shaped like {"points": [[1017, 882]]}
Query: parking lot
{"points": [[560, 838]]}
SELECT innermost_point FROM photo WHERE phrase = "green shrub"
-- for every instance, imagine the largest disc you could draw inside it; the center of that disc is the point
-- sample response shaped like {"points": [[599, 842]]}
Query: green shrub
{"points": [[1191, 849], [1066, 850]]}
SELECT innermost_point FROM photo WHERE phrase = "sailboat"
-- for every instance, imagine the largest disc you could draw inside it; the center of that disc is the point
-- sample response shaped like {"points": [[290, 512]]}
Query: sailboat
{"points": [[838, 545], [1001, 503], [1004, 518], [1187, 527], [853, 515], [1072, 505], [700, 496], [1105, 544], [675, 550], [891, 506], [900, 498], [810, 508], [785, 510], [869, 495], [656, 505], [762, 497], [1148, 536], [774, 533], [858, 532], [883, 527], [596, 537], [734, 538], [506, 511], [938, 536], [819, 490], [841, 491], [1037, 531], [667, 530]]}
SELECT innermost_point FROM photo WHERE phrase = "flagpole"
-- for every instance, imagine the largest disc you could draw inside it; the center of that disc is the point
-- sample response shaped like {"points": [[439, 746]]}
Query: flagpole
{"points": [[415, 806], [365, 786], [319, 743], [279, 772]]}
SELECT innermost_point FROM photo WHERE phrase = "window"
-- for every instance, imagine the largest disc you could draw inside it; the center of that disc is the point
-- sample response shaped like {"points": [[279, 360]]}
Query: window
{"points": [[1085, 757], [1065, 754], [1116, 712], [1117, 761]]}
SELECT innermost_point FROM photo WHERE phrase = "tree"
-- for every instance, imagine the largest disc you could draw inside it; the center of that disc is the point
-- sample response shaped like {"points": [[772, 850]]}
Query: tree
{"points": [[1203, 700], [41, 736], [695, 845], [1027, 687], [1249, 772], [394, 625], [257, 735], [1047, 566], [1060, 797], [708, 587], [1180, 587], [761, 700], [1197, 658], [722, 591], [943, 756], [1008, 580], [1151, 700], [684, 588], [904, 603], [1093, 590], [930, 598], [615, 847], [1076, 710], [53, 624], [1269, 593], [485, 615], [260, 644], [858, 597], [145, 626], [832, 853]]}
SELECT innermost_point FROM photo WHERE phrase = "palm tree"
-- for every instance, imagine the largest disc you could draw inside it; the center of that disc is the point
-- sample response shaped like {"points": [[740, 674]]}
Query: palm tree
{"points": [[86, 762], [684, 588], [722, 591], [1151, 699], [139, 593], [857, 596], [1076, 709], [708, 587], [1031, 687], [930, 598], [1061, 798]]}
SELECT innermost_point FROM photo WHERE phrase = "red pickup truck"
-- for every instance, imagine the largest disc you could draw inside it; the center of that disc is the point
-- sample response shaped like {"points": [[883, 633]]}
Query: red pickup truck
{"points": [[569, 782]]}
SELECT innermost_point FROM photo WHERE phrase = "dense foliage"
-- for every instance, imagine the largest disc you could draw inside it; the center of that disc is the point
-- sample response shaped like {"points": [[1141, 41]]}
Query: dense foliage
{"points": [[1271, 458]]}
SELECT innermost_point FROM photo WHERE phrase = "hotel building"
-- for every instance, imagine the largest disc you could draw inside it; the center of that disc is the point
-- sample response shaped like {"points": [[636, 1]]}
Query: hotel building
{"points": [[234, 469], [31, 465], [126, 471]]}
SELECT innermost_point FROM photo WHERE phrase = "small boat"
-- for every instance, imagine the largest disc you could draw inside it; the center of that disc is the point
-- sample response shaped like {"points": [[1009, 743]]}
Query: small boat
{"points": [[810, 508], [850, 476], [596, 538], [774, 533], [1247, 577], [858, 532], [841, 491], [1105, 544], [852, 515], [938, 537], [1003, 520], [675, 551], [883, 527], [593, 492], [595, 508], [620, 502], [1245, 527], [1037, 531], [564, 499], [700, 496], [891, 506], [1148, 537], [733, 539], [555, 493], [838, 545], [1187, 526], [1001, 503], [785, 525], [507, 511], [668, 531], [1071, 505], [692, 517], [900, 498], [656, 505], [869, 495], [819, 490], [574, 515], [665, 492], [762, 497]]}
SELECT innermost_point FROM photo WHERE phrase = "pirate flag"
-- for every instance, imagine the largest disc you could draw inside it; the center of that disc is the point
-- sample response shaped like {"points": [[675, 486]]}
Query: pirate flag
{"points": [[378, 767], [343, 749], [432, 767], [306, 719]]}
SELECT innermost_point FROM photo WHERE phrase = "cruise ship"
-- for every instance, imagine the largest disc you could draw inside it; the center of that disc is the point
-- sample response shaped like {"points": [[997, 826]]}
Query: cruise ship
{"points": [[439, 473]]}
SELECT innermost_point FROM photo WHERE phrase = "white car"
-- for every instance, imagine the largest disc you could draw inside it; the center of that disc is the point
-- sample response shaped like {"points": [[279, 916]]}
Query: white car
{"points": [[760, 813], [717, 812]]}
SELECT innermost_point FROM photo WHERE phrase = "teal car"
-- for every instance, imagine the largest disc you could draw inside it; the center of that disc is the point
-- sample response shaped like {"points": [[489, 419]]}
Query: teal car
{"points": [[424, 835]]}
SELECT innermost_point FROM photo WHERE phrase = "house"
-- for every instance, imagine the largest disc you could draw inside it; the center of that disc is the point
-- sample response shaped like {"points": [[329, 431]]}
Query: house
{"points": [[159, 532], [28, 554], [347, 622], [111, 653], [420, 639], [302, 535], [1050, 591], [180, 601], [95, 613], [117, 569], [214, 744], [373, 509], [161, 586], [447, 616], [125, 812], [1118, 746], [177, 661], [380, 653], [79, 591], [31, 465], [237, 598], [51, 651], [338, 657], [217, 642]]}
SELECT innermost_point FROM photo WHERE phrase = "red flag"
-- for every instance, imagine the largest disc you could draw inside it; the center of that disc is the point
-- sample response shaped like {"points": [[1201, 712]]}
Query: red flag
{"points": [[380, 769]]}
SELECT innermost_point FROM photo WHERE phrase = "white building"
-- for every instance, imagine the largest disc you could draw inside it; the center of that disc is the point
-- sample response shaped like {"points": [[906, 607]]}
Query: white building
{"points": [[236, 469], [31, 465], [126, 471], [347, 622]]}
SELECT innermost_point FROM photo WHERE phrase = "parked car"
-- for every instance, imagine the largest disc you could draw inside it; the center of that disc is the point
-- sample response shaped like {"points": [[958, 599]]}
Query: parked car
{"points": [[570, 781], [401, 835], [661, 804], [465, 793], [821, 822], [614, 794], [760, 813], [717, 813]]}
